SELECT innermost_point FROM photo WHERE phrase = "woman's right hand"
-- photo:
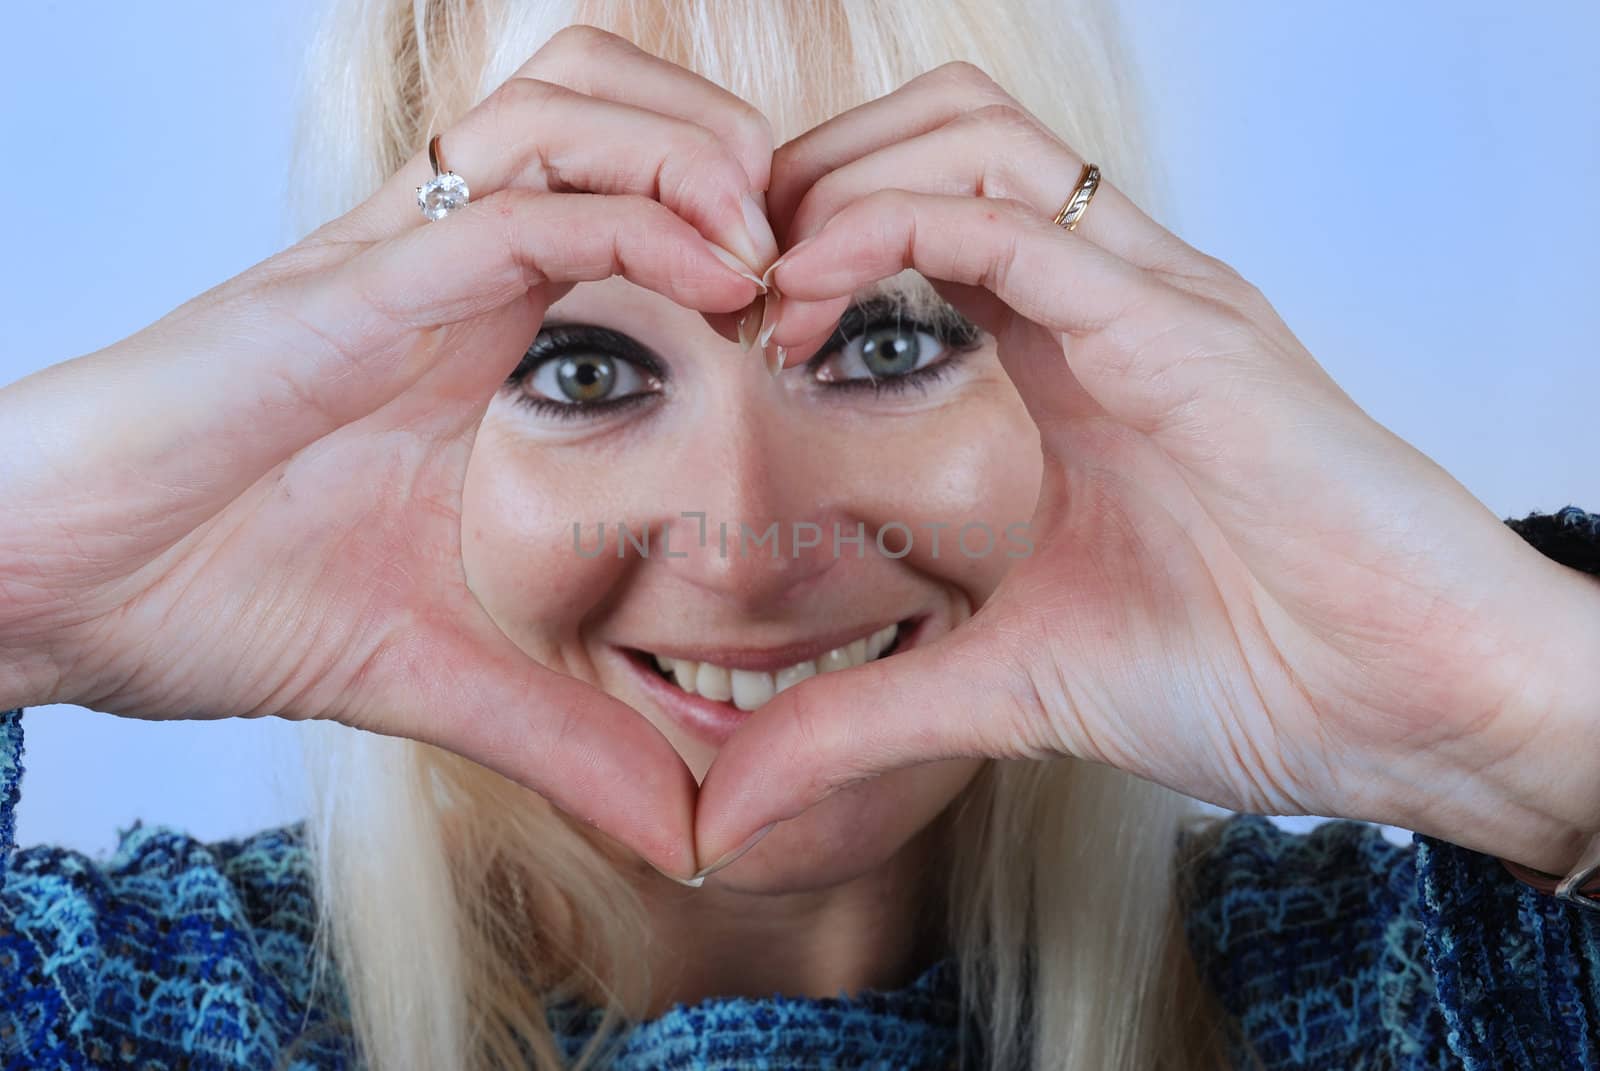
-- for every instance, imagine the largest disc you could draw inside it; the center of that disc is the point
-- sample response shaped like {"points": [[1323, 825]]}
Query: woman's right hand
{"points": [[253, 505]]}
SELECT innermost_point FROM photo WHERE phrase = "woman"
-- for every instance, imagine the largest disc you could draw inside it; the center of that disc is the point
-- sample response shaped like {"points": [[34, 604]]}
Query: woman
{"points": [[403, 477]]}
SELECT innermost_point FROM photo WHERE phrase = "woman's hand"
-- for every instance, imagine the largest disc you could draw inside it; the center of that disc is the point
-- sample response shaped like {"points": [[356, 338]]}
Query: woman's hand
{"points": [[253, 506], [1241, 587]]}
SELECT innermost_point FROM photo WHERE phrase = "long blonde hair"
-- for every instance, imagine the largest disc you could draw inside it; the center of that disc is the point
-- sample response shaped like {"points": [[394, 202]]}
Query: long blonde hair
{"points": [[457, 905]]}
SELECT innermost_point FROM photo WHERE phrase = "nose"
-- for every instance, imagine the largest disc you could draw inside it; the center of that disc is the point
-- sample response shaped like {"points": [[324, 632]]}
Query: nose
{"points": [[752, 521]]}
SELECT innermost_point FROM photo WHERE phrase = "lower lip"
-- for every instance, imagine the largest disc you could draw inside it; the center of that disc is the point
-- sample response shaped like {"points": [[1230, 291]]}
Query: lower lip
{"points": [[711, 720]]}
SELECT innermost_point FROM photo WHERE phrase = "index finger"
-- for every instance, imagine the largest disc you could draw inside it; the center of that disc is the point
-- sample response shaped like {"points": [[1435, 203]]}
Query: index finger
{"points": [[601, 64], [959, 103]]}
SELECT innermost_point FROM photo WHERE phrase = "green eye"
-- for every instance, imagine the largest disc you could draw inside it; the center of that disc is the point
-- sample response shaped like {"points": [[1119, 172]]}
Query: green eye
{"points": [[577, 371], [588, 378], [889, 351], [882, 351]]}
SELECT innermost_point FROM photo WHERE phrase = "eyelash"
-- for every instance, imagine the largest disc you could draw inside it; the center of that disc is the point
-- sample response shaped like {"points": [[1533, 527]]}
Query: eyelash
{"points": [[959, 336], [557, 340]]}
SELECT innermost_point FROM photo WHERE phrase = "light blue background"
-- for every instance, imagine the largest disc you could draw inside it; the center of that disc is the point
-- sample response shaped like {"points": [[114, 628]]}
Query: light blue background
{"points": [[1413, 185]]}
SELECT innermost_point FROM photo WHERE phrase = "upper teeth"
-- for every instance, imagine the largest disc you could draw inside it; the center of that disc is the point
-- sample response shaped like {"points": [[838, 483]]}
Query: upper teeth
{"points": [[749, 689]]}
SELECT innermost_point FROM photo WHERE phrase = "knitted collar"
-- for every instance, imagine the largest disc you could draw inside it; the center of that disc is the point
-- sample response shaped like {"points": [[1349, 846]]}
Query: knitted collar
{"points": [[910, 1027]]}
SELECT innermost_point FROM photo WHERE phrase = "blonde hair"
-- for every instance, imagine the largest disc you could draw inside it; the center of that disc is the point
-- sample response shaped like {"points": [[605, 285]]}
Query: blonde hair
{"points": [[456, 905]]}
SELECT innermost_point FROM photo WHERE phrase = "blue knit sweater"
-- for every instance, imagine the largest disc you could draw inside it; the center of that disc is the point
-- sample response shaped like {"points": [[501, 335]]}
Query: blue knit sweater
{"points": [[1336, 949]]}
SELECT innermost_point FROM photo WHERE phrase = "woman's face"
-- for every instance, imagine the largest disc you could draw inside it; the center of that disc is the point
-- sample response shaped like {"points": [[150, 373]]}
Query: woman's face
{"points": [[629, 410]]}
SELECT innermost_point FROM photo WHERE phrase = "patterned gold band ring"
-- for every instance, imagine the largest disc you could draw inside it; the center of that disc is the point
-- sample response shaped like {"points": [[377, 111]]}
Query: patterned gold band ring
{"points": [[1078, 203]]}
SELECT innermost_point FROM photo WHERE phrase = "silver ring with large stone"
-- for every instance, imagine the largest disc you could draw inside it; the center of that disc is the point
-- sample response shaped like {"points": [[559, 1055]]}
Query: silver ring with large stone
{"points": [[445, 192]]}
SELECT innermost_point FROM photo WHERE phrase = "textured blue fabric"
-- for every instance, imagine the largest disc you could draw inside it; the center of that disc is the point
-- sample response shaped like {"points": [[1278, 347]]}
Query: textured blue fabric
{"points": [[913, 1027], [1336, 949]]}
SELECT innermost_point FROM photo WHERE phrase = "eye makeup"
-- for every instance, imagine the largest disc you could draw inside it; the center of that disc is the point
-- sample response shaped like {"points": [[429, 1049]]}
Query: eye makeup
{"points": [[894, 310], [558, 340], [897, 311]]}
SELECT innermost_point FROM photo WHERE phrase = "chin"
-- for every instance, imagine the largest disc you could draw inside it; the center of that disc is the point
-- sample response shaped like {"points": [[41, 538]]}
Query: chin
{"points": [[851, 834]]}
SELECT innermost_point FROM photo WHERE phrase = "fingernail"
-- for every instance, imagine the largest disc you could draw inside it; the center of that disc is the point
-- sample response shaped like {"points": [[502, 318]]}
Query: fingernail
{"points": [[693, 883], [731, 856], [755, 220], [737, 265], [769, 317], [750, 324], [766, 276], [775, 356]]}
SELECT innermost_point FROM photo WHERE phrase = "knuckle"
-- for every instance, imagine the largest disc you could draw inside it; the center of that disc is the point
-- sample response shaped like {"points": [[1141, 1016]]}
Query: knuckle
{"points": [[582, 38], [572, 49], [1227, 329], [523, 90], [784, 155], [964, 73], [1218, 284], [693, 143], [1216, 270], [755, 127], [885, 198], [1217, 266], [752, 128], [505, 109], [968, 81], [1003, 115], [701, 162]]}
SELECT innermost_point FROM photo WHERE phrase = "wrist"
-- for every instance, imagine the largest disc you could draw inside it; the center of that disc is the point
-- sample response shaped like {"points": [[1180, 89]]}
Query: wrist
{"points": [[1531, 797]]}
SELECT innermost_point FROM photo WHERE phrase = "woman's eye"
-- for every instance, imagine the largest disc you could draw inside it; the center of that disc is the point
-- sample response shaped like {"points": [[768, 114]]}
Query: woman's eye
{"points": [[882, 351], [887, 343], [587, 378], [576, 370]]}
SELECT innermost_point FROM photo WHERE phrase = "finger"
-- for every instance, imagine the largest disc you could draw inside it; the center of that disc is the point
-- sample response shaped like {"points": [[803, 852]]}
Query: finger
{"points": [[333, 346], [601, 64], [1051, 276], [933, 100], [545, 137], [472, 691], [958, 696], [485, 256], [994, 151], [494, 251]]}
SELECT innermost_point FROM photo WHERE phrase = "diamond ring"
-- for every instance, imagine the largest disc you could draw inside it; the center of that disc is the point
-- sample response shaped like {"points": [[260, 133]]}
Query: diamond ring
{"points": [[445, 192]]}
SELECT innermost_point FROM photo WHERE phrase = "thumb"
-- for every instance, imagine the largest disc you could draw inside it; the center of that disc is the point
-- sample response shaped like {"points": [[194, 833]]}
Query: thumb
{"points": [[963, 694], [474, 692]]}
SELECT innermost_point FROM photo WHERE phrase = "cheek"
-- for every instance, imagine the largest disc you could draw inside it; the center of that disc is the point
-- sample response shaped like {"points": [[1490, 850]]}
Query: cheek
{"points": [[957, 478], [519, 503]]}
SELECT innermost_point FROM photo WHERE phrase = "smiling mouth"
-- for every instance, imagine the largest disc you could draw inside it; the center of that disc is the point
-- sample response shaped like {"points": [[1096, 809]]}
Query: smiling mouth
{"points": [[749, 689]]}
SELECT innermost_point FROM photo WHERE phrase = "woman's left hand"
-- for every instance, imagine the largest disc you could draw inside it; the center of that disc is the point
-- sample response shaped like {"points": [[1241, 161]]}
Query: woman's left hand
{"points": [[1242, 586]]}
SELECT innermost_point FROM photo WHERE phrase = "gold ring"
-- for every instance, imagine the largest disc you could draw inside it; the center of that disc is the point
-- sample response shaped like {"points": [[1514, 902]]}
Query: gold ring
{"points": [[1078, 203]]}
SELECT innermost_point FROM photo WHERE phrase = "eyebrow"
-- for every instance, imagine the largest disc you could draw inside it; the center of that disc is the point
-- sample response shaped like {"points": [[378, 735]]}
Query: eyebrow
{"points": [[915, 296]]}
